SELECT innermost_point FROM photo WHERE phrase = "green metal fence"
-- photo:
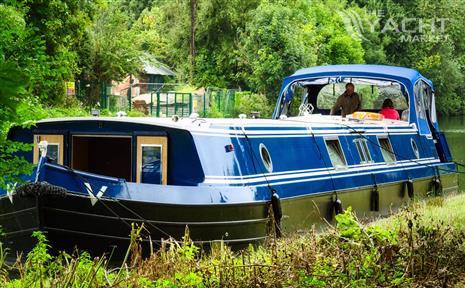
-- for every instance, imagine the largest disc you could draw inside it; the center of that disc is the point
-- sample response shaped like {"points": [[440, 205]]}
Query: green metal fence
{"points": [[166, 104], [217, 102], [159, 100]]}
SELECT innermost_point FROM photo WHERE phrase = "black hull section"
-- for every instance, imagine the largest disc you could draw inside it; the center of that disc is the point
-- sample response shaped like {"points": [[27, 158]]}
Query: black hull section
{"points": [[72, 221], [18, 220]]}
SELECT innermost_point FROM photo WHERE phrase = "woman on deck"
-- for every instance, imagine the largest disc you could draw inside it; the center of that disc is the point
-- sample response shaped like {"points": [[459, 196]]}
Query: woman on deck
{"points": [[388, 111]]}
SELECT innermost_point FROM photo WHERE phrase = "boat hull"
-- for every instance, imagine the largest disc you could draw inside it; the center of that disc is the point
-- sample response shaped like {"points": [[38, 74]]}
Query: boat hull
{"points": [[72, 221], [300, 213]]}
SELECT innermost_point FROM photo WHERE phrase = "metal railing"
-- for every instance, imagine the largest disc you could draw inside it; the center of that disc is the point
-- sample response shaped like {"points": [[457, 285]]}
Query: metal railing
{"points": [[162, 101], [166, 104]]}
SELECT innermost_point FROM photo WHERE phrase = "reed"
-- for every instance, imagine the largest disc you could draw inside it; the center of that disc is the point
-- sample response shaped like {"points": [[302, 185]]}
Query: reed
{"points": [[422, 246]]}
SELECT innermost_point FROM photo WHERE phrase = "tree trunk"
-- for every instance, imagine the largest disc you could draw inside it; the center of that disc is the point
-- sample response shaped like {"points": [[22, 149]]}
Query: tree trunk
{"points": [[193, 14]]}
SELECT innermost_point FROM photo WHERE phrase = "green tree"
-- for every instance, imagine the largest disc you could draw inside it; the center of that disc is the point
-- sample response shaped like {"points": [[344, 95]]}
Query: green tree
{"points": [[13, 89], [282, 38], [437, 52], [108, 52], [56, 26], [165, 31], [278, 41]]}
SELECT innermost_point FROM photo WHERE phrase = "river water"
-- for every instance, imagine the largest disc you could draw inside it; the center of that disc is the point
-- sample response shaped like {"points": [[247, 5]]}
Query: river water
{"points": [[454, 128]]}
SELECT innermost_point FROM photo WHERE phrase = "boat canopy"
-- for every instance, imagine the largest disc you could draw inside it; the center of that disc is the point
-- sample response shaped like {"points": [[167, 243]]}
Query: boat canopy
{"points": [[411, 84]]}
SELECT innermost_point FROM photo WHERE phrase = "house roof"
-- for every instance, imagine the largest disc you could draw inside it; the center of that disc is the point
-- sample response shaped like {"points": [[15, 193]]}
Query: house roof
{"points": [[157, 69]]}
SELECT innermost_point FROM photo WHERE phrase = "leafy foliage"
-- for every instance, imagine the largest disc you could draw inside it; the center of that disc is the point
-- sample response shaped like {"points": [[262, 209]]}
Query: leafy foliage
{"points": [[107, 52], [416, 248], [247, 102], [246, 45]]}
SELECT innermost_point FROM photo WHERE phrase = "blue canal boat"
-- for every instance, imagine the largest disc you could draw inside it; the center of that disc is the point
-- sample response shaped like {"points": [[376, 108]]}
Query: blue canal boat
{"points": [[232, 179]]}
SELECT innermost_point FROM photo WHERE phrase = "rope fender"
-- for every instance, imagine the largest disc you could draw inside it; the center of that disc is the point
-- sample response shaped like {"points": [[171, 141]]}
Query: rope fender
{"points": [[31, 189]]}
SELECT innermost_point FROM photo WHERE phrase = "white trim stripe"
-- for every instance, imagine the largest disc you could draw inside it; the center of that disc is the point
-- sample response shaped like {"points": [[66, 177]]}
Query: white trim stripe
{"points": [[251, 179], [341, 176], [313, 170], [307, 134]]}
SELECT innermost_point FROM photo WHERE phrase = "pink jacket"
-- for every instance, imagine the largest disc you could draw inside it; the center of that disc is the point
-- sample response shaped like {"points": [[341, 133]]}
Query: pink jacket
{"points": [[390, 113]]}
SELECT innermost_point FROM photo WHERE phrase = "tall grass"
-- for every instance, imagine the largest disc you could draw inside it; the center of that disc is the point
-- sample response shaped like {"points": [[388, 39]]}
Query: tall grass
{"points": [[422, 246]]}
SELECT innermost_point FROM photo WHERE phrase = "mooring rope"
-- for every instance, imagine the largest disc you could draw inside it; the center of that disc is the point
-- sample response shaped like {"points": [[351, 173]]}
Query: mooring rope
{"points": [[89, 190]]}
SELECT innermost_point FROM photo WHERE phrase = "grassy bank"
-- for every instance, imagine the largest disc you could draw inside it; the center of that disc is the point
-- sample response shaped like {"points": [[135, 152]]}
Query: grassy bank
{"points": [[422, 246]]}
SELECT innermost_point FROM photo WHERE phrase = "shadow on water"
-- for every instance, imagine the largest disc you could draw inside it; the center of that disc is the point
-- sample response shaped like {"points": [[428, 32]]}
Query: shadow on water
{"points": [[454, 128]]}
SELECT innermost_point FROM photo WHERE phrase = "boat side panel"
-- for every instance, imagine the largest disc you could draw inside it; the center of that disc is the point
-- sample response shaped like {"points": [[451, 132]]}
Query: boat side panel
{"points": [[109, 222], [227, 155], [184, 165], [19, 217], [303, 212]]}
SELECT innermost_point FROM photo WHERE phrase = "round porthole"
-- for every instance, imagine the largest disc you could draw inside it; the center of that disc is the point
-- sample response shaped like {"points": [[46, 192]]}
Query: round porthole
{"points": [[266, 158], [415, 148]]}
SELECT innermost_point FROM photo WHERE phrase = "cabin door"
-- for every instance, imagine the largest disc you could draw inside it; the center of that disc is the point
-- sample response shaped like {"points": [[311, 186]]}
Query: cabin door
{"points": [[54, 148], [152, 159]]}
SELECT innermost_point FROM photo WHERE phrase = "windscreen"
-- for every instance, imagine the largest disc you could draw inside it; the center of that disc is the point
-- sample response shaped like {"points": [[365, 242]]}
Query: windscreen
{"points": [[320, 94], [371, 96]]}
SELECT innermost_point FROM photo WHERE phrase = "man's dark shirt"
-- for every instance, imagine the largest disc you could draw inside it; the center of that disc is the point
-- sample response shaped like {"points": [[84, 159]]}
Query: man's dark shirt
{"points": [[348, 104]]}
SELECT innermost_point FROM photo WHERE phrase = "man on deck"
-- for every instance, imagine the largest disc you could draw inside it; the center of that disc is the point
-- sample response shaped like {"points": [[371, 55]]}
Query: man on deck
{"points": [[348, 102]]}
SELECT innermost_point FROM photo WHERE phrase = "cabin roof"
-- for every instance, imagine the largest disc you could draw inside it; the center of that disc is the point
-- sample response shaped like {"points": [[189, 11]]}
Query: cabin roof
{"points": [[202, 124], [368, 70]]}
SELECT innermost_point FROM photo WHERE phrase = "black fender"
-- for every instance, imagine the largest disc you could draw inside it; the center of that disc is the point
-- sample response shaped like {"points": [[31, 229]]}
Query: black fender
{"points": [[337, 206], [408, 187], [374, 199], [277, 211], [436, 187]]}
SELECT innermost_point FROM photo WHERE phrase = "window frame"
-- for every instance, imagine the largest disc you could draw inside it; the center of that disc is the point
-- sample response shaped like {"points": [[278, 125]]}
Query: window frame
{"points": [[52, 139], [383, 150], [161, 160], [268, 166], [416, 151], [337, 167], [361, 144], [151, 141]]}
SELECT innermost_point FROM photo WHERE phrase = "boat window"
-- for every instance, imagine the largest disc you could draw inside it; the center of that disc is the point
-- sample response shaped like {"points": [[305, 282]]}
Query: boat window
{"points": [[53, 152], [266, 158], [415, 148], [152, 159], [335, 153], [300, 98], [363, 150], [151, 164], [421, 98], [386, 150], [372, 96], [424, 100], [54, 148]]}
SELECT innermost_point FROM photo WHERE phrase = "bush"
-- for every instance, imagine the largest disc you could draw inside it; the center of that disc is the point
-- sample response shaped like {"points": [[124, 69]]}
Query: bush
{"points": [[417, 251], [248, 102]]}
